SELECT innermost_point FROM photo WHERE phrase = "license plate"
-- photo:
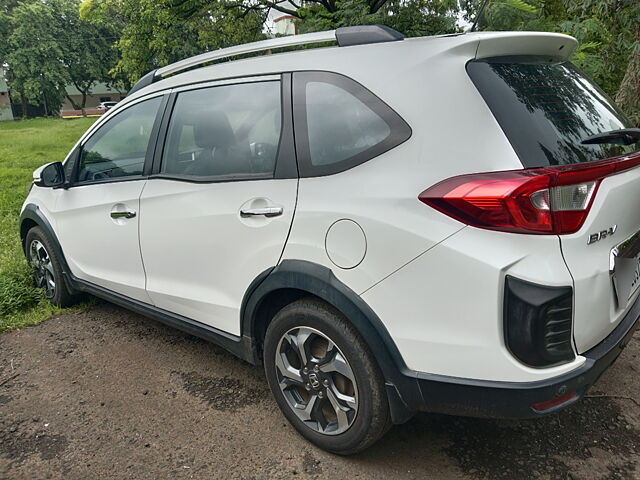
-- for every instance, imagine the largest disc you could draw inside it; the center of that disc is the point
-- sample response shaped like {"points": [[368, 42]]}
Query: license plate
{"points": [[635, 277], [626, 271]]}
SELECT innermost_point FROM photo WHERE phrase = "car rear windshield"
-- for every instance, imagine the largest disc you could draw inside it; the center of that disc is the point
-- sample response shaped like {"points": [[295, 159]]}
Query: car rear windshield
{"points": [[547, 108]]}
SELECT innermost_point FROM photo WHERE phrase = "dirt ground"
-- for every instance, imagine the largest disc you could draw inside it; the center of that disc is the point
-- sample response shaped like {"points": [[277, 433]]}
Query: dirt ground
{"points": [[108, 394]]}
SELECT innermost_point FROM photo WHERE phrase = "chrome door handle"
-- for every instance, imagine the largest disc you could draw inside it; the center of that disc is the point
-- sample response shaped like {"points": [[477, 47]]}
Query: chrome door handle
{"points": [[265, 211], [127, 214]]}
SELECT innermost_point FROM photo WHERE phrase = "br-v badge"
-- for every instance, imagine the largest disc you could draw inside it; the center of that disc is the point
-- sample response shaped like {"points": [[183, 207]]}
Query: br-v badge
{"points": [[596, 237]]}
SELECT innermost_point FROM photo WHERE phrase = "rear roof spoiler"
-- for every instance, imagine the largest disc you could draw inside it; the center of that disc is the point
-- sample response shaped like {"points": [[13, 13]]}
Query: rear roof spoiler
{"points": [[502, 44]]}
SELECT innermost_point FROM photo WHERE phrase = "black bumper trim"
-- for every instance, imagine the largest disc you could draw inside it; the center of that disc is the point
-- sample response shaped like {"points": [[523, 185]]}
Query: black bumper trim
{"points": [[481, 398]]}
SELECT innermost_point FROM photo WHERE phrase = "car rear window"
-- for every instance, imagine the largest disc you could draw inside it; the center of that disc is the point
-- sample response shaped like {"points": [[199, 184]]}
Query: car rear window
{"points": [[547, 108]]}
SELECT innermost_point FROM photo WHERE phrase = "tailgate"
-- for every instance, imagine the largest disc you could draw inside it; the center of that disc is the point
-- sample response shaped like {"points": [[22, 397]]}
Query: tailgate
{"points": [[603, 259], [557, 120]]}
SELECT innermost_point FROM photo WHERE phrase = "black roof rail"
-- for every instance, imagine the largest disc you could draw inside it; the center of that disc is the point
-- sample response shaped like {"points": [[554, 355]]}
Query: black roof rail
{"points": [[366, 34], [145, 80]]}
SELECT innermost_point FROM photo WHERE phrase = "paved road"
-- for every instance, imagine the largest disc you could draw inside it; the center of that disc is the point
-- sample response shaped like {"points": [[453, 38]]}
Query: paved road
{"points": [[108, 394]]}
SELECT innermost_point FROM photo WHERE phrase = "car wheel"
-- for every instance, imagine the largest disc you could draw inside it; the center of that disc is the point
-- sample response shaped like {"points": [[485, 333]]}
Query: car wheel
{"points": [[324, 377], [47, 272]]}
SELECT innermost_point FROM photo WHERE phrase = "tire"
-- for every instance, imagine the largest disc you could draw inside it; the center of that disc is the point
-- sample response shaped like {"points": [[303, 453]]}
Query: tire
{"points": [[47, 270], [340, 369]]}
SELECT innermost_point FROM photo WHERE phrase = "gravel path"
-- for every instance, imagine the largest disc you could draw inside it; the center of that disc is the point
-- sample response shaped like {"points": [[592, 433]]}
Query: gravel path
{"points": [[108, 394]]}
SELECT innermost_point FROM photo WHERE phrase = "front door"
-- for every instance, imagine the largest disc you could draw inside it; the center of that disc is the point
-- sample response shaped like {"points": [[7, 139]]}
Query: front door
{"points": [[214, 217], [97, 217]]}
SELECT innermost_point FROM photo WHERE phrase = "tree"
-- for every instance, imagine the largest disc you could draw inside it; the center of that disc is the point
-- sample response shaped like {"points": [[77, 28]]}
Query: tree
{"points": [[6, 7], [621, 19], [86, 49], [35, 71], [628, 95], [154, 33], [48, 47], [411, 17]]}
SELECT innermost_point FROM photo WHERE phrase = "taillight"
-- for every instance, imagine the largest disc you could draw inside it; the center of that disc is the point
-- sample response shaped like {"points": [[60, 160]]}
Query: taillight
{"points": [[554, 200]]}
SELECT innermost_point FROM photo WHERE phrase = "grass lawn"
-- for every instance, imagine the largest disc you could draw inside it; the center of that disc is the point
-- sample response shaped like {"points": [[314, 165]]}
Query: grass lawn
{"points": [[24, 146]]}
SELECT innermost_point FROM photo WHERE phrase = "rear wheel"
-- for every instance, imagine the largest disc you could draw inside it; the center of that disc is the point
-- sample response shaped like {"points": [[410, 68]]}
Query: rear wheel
{"points": [[324, 377], [47, 271]]}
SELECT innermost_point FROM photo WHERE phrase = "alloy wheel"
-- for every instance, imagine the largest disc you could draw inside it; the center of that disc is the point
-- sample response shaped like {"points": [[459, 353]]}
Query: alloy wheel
{"points": [[43, 268], [316, 380]]}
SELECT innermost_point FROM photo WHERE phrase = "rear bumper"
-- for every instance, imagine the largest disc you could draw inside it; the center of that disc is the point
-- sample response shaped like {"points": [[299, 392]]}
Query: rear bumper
{"points": [[479, 398]]}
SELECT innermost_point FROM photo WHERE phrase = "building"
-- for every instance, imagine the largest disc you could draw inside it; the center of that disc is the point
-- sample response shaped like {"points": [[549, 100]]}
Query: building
{"points": [[282, 23], [100, 92], [5, 100]]}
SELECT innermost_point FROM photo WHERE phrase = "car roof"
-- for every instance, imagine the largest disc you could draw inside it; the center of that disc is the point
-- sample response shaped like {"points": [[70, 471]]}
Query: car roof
{"points": [[336, 58]]}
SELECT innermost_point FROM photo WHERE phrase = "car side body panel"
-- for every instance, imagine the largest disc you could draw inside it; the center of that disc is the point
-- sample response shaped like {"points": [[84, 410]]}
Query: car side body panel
{"points": [[444, 309]]}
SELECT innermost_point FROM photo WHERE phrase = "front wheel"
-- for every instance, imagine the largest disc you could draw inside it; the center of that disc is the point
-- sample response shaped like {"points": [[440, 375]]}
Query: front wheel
{"points": [[47, 271], [324, 378]]}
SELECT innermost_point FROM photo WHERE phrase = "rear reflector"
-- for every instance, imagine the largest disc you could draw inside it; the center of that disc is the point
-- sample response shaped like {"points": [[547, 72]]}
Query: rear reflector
{"points": [[554, 402], [551, 201]]}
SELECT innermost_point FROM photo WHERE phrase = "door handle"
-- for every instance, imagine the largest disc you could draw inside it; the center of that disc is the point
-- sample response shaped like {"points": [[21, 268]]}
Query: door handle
{"points": [[126, 214], [264, 211]]}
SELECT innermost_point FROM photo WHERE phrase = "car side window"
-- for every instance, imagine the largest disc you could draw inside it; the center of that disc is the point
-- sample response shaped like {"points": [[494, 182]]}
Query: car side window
{"points": [[224, 132], [340, 124], [119, 147], [335, 137]]}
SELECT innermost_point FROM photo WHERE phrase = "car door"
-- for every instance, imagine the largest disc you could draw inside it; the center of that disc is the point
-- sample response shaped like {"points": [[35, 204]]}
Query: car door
{"points": [[98, 215], [217, 211]]}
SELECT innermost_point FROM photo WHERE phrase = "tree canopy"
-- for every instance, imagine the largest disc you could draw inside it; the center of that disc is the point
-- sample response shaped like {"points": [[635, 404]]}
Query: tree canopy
{"points": [[154, 33], [52, 43], [49, 47]]}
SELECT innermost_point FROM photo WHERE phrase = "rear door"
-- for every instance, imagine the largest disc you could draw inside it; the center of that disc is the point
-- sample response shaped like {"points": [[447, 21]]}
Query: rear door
{"points": [[217, 211], [547, 108]]}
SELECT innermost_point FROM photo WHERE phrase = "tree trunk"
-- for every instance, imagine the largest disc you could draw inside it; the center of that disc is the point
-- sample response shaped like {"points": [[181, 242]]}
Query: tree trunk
{"points": [[73, 104], [628, 96], [25, 104], [84, 102]]}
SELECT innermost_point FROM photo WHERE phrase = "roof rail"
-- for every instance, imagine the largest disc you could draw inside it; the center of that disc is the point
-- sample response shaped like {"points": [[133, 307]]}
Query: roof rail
{"points": [[344, 36], [280, 42]]}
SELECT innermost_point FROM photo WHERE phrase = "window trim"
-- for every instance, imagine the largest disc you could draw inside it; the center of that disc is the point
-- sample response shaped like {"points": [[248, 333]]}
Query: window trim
{"points": [[399, 129], [151, 146], [285, 166]]}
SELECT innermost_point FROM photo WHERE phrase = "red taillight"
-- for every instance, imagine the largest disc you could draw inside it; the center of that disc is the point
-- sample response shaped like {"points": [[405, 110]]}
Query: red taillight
{"points": [[554, 200]]}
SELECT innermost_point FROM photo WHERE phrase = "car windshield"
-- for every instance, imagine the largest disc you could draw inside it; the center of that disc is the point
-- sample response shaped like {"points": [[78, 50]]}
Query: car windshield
{"points": [[547, 108]]}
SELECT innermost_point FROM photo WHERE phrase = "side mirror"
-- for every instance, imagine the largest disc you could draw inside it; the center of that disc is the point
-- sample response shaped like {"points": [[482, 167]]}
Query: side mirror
{"points": [[49, 175]]}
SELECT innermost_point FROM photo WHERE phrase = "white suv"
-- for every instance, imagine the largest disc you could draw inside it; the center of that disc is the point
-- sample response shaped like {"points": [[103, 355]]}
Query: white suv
{"points": [[445, 224]]}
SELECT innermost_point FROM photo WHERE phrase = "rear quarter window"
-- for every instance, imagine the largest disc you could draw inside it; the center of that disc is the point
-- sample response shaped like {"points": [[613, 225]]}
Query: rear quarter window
{"points": [[547, 108], [339, 124]]}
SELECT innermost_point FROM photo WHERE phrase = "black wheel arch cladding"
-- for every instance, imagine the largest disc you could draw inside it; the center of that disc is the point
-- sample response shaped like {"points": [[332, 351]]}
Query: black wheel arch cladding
{"points": [[32, 216], [320, 282]]}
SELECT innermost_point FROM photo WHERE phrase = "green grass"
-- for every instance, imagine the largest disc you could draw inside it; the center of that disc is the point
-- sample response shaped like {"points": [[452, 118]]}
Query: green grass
{"points": [[24, 146]]}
